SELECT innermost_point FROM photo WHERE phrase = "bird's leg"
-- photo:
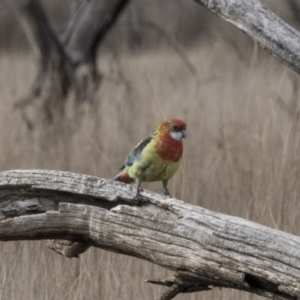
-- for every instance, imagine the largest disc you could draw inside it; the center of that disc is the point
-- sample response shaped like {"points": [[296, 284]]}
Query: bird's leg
{"points": [[165, 185], [139, 190]]}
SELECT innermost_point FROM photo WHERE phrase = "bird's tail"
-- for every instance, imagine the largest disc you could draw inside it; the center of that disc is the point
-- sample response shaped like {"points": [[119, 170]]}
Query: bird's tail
{"points": [[124, 177]]}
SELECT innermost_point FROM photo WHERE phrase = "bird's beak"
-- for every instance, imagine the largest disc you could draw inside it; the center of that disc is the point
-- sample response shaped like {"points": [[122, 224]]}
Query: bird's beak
{"points": [[183, 133]]}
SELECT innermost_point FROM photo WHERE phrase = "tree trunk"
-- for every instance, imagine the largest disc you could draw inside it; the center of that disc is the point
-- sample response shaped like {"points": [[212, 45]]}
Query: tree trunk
{"points": [[205, 249]]}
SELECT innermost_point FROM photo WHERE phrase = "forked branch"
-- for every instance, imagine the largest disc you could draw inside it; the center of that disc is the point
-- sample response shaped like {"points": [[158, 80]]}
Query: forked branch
{"points": [[205, 249], [59, 57]]}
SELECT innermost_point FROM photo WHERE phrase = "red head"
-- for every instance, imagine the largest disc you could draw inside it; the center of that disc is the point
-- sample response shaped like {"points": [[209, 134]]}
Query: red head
{"points": [[174, 128], [169, 144]]}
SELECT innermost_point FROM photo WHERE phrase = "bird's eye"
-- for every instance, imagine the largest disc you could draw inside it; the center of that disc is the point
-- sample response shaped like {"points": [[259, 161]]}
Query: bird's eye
{"points": [[175, 127]]}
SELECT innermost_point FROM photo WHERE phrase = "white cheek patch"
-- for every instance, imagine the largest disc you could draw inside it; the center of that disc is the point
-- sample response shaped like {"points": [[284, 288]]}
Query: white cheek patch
{"points": [[176, 135]]}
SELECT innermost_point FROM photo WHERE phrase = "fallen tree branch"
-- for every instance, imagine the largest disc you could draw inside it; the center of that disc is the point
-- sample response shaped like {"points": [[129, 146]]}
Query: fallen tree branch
{"points": [[262, 25], [205, 249]]}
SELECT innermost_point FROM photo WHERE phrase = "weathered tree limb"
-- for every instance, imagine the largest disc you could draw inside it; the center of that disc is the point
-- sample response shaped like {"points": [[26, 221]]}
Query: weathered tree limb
{"points": [[262, 25], [205, 249]]}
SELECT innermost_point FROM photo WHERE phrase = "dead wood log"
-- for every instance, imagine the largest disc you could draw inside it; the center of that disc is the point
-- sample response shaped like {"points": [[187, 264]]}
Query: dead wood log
{"points": [[262, 25], [204, 249]]}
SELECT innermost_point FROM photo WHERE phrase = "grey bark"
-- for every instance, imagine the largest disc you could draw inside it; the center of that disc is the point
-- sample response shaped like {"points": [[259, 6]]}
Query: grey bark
{"points": [[205, 249], [262, 25]]}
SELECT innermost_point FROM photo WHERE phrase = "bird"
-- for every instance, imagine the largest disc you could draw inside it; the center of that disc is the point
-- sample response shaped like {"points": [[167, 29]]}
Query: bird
{"points": [[155, 158]]}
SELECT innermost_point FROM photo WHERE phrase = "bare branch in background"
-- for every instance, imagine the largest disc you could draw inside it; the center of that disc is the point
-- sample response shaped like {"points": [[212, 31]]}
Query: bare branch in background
{"points": [[235, 47], [51, 53], [176, 47], [96, 19], [205, 249], [58, 59], [263, 26]]}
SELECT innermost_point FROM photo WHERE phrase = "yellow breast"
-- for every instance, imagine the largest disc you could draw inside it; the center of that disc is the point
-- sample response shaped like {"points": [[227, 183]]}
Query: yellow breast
{"points": [[151, 167]]}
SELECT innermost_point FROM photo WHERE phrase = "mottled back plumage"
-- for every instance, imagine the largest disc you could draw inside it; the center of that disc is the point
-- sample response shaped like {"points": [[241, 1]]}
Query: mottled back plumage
{"points": [[135, 153]]}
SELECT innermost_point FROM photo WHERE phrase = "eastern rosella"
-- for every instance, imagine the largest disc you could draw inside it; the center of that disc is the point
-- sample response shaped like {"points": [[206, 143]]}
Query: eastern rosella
{"points": [[156, 158]]}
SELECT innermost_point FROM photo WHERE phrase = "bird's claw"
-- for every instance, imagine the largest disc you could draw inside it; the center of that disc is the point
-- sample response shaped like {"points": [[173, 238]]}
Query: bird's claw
{"points": [[138, 197]]}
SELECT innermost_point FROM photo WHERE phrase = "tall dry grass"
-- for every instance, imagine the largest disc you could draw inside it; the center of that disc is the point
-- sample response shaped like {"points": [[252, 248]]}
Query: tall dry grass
{"points": [[241, 156]]}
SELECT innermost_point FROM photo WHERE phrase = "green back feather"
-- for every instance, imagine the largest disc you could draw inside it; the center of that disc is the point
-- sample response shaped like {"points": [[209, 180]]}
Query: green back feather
{"points": [[135, 153]]}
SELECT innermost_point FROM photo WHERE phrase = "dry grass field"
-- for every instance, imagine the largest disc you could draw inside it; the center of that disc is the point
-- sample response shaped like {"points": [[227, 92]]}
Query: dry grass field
{"points": [[241, 154]]}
